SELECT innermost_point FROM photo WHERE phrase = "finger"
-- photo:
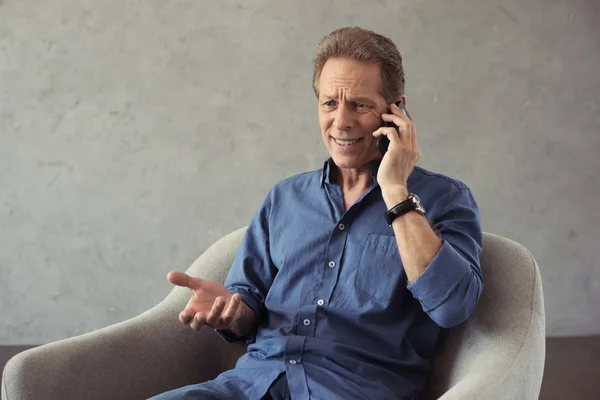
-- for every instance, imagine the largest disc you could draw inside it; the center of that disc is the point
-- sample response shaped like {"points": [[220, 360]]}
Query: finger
{"points": [[398, 120], [198, 321], [392, 134], [184, 280], [215, 312], [232, 308], [402, 111], [398, 109], [189, 312], [406, 127], [185, 318]]}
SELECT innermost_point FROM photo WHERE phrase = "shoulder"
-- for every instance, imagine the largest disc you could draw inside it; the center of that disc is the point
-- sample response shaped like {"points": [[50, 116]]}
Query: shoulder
{"points": [[438, 191], [436, 180], [296, 186], [433, 186], [303, 181]]}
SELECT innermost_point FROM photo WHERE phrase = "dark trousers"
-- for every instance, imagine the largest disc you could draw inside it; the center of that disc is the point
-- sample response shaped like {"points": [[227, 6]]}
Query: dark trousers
{"points": [[279, 389]]}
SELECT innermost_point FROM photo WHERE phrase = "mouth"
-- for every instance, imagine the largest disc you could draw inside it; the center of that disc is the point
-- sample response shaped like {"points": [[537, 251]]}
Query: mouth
{"points": [[346, 143]]}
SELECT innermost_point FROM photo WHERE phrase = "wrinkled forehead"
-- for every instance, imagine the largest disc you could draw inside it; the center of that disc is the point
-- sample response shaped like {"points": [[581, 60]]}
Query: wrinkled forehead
{"points": [[349, 77]]}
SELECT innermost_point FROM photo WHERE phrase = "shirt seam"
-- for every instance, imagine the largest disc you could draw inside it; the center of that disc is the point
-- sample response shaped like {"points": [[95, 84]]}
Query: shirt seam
{"points": [[454, 183]]}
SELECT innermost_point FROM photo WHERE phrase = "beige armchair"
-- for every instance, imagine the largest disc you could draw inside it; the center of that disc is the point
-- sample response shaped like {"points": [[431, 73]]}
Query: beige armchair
{"points": [[497, 354]]}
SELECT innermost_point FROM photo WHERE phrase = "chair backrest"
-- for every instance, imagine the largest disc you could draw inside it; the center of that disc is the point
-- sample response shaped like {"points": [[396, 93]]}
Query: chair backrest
{"points": [[500, 347]]}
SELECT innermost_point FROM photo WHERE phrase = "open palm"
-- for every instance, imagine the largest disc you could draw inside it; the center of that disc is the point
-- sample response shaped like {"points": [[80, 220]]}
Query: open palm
{"points": [[211, 303]]}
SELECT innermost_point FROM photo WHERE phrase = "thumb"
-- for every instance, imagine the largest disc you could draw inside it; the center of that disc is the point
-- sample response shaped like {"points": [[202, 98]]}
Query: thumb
{"points": [[183, 279]]}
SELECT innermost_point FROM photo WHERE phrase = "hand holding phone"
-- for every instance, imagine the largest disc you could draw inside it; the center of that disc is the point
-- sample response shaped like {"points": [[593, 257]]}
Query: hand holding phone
{"points": [[382, 141]]}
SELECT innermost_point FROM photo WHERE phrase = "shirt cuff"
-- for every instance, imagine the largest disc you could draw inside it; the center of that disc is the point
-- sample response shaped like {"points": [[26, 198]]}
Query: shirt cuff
{"points": [[231, 338], [439, 279]]}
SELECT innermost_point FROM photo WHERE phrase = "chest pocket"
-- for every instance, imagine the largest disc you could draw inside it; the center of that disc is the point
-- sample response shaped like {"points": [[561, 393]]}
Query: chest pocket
{"points": [[380, 272]]}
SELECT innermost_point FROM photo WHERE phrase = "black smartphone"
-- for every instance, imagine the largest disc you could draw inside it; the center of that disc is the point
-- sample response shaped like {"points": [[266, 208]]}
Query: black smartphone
{"points": [[382, 141]]}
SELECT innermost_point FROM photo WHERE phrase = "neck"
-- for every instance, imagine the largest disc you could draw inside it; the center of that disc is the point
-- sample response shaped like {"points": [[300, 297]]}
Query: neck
{"points": [[353, 179]]}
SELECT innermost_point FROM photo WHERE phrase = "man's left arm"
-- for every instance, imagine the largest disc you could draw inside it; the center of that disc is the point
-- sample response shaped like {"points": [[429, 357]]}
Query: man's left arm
{"points": [[441, 258], [442, 268]]}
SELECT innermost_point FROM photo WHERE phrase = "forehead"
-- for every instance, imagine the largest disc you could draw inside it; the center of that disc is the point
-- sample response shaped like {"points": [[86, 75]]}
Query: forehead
{"points": [[350, 76]]}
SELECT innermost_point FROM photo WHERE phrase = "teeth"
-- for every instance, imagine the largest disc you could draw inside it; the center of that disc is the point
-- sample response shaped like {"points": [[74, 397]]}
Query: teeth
{"points": [[345, 142]]}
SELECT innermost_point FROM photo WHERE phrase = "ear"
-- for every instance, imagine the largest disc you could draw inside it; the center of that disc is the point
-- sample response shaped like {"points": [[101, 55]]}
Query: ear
{"points": [[402, 99]]}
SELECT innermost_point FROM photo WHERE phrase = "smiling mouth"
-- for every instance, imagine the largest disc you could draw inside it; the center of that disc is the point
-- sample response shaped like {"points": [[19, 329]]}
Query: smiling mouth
{"points": [[346, 142]]}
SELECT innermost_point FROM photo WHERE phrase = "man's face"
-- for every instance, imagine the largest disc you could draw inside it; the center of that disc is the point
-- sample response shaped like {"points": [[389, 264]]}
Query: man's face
{"points": [[350, 108]]}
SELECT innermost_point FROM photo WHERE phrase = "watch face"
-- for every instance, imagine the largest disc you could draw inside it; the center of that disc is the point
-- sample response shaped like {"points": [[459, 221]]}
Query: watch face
{"points": [[417, 202]]}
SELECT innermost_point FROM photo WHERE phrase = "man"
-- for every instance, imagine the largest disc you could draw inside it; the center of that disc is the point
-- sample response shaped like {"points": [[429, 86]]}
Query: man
{"points": [[335, 297]]}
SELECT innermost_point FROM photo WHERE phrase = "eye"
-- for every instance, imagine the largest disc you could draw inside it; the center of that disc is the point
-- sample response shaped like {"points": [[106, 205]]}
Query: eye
{"points": [[329, 103], [362, 107]]}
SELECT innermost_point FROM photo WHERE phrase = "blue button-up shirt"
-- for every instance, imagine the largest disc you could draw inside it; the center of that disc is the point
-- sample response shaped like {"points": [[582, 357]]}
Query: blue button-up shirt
{"points": [[336, 312]]}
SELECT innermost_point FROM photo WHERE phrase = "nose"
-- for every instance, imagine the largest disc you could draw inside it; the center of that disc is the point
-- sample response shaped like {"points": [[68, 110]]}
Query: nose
{"points": [[343, 118]]}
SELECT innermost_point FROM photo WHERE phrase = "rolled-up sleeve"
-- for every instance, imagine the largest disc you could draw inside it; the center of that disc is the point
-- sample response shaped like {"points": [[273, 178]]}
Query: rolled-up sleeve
{"points": [[451, 285], [252, 271]]}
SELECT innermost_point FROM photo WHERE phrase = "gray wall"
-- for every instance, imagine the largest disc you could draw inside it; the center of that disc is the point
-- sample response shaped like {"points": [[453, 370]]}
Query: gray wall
{"points": [[135, 134]]}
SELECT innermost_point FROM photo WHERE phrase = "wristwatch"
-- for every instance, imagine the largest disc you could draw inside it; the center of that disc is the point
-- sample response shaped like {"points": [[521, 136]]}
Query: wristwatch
{"points": [[413, 203]]}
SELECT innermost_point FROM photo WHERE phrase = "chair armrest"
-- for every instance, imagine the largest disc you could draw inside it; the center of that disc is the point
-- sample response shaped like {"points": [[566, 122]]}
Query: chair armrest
{"points": [[135, 359], [500, 371], [499, 353]]}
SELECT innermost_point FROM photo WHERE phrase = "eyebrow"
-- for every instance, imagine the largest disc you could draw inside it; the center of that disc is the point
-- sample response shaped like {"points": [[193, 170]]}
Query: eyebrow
{"points": [[360, 99]]}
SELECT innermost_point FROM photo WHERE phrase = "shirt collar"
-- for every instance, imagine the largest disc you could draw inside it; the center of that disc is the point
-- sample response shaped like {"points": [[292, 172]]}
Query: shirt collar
{"points": [[326, 172]]}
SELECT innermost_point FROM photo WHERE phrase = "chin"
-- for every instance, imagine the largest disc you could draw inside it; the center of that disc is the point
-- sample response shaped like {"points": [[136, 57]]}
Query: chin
{"points": [[348, 161]]}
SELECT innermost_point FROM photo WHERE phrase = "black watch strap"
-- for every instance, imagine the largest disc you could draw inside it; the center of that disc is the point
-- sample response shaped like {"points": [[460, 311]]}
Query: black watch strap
{"points": [[400, 209]]}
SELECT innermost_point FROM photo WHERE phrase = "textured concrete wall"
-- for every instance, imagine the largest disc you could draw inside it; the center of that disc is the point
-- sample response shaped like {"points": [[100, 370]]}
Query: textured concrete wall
{"points": [[134, 134]]}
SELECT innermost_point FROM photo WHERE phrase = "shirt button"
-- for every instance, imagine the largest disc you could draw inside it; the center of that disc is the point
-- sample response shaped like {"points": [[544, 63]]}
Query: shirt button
{"points": [[306, 322], [292, 361], [320, 302], [342, 227], [331, 264]]}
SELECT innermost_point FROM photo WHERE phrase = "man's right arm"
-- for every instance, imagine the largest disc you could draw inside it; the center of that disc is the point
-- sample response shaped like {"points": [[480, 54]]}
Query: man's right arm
{"points": [[251, 275]]}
